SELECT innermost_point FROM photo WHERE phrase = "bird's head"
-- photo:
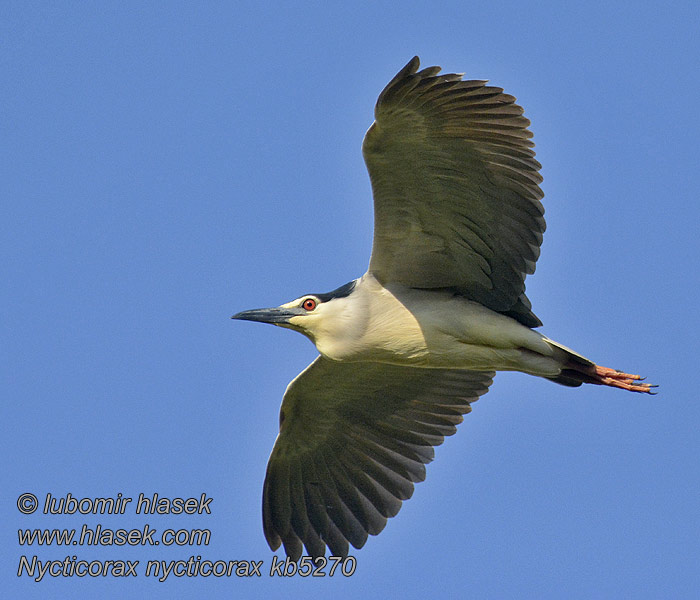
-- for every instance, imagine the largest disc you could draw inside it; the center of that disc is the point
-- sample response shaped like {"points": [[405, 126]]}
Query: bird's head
{"points": [[317, 316]]}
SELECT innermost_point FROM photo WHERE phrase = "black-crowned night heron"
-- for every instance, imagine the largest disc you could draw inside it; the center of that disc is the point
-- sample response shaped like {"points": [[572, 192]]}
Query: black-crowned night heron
{"points": [[409, 345]]}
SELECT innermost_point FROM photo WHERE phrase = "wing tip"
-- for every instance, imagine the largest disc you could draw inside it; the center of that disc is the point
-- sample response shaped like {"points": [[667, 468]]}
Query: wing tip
{"points": [[411, 68]]}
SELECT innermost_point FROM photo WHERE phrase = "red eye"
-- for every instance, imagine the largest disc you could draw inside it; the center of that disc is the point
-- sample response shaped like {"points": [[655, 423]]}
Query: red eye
{"points": [[309, 304]]}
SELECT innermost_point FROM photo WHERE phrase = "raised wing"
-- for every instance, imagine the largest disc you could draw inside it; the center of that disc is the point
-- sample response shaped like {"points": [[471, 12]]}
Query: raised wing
{"points": [[456, 194], [354, 438]]}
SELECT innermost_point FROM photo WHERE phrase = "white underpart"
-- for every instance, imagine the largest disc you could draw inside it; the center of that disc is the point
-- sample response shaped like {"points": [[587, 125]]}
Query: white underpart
{"points": [[427, 328]]}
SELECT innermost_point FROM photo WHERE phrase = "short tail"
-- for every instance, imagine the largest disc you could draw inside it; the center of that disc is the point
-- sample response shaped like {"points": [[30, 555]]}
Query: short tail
{"points": [[578, 369]]}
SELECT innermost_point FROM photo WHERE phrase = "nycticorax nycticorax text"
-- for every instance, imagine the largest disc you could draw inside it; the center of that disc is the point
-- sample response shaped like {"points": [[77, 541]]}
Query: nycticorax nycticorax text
{"points": [[409, 345]]}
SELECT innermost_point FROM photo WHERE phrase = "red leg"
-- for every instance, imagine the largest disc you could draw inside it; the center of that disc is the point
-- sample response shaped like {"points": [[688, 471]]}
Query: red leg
{"points": [[618, 379]]}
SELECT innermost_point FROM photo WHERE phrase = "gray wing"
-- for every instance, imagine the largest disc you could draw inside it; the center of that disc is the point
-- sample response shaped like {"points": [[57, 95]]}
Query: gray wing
{"points": [[354, 438], [456, 194]]}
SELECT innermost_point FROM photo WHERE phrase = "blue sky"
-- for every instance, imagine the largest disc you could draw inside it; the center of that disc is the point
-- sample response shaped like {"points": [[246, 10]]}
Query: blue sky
{"points": [[165, 165]]}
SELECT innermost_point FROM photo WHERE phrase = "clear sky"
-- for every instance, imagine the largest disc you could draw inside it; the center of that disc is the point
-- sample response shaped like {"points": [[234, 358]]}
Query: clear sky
{"points": [[165, 165]]}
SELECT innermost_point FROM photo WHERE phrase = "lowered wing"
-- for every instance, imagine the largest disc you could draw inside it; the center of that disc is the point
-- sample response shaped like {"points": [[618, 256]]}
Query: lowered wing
{"points": [[354, 438]]}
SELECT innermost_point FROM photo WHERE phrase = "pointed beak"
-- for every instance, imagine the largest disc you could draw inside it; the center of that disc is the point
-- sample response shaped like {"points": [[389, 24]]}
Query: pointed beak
{"points": [[276, 316]]}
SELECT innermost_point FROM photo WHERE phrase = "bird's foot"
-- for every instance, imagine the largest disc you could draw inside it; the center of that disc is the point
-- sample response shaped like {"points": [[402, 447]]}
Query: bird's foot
{"points": [[625, 381]]}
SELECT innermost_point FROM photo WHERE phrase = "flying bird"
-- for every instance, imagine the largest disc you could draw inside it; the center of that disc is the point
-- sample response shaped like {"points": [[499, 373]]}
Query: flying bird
{"points": [[406, 348]]}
